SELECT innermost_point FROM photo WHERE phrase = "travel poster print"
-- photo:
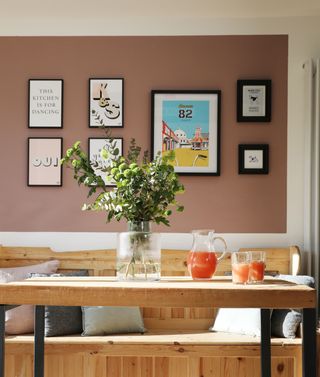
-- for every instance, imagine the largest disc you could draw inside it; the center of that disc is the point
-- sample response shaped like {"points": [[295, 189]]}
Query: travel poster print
{"points": [[188, 124], [106, 103]]}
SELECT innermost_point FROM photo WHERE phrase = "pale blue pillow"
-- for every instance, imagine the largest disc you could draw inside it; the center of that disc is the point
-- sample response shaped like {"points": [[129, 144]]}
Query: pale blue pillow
{"points": [[104, 320]]}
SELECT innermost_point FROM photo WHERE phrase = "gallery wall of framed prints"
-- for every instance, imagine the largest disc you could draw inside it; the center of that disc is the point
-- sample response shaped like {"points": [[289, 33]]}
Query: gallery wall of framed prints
{"points": [[153, 89]]}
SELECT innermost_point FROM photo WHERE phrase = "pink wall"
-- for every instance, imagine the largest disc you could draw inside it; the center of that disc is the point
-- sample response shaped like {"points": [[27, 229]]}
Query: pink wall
{"points": [[229, 203]]}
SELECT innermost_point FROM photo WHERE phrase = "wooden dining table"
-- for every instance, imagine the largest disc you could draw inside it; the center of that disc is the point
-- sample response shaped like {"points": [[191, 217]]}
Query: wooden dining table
{"points": [[173, 292]]}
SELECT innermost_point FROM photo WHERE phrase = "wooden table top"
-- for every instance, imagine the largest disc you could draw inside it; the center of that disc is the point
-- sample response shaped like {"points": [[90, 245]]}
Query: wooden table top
{"points": [[168, 292]]}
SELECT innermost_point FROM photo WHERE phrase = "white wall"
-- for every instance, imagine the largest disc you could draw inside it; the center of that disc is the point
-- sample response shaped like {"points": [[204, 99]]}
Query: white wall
{"points": [[304, 42]]}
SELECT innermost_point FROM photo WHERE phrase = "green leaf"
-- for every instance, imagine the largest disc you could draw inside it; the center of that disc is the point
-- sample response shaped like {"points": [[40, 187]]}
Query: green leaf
{"points": [[104, 153]]}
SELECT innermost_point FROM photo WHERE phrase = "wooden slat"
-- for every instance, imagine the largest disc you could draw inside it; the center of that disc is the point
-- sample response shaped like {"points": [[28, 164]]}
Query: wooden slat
{"points": [[161, 366], [146, 367], [178, 367], [94, 365], [174, 262], [53, 365], [114, 367], [210, 367], [130, 367], [194, 367], [179, 324]]}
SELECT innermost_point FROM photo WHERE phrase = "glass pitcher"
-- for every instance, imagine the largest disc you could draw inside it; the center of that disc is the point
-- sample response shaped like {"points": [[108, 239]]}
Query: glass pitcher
{"points": [[202, 259]]}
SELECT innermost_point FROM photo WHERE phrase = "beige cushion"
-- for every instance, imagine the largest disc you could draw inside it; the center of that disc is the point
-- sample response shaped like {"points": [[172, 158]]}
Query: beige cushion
{"points": [[20, 320], [104, 320]]}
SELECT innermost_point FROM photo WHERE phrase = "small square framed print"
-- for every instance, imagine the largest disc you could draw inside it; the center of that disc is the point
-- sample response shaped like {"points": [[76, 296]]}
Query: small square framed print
{"points": [[44, 167], [253, 158], [45, 103], [106, 102], [254, 100], [95, 146]]}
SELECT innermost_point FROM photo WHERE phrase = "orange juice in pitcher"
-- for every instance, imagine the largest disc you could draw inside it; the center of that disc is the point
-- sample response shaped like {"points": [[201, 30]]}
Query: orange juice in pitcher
{"points": [[202, 259]]}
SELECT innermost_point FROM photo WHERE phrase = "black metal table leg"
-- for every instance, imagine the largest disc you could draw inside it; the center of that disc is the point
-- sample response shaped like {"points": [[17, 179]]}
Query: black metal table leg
{"points": [[309, 343], [38, 368], [265, 347], [2, 338]]}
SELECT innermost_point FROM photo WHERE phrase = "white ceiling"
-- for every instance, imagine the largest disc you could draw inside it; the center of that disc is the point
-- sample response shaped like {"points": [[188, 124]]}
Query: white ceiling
{"points": [[111, 9]]}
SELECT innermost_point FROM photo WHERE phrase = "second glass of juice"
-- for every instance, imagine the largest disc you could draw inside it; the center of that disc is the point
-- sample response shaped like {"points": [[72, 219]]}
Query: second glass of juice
{"points": [[257, 266], [240, 267]]}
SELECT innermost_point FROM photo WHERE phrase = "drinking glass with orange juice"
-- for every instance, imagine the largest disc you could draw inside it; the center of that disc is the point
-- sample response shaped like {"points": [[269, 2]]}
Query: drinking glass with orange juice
{"points": [[240, 262], [202, 259], [257, 266]]}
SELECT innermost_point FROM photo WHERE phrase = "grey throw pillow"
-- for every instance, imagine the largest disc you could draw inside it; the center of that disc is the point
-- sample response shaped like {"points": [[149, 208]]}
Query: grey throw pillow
{"points": [[62, 320], [285, 322], [104, 320]]}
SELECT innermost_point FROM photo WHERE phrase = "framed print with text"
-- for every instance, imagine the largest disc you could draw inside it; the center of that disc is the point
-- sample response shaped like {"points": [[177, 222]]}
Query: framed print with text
{"points": [[95, 146], [254, 100], [106, 102], [45, 103], [44, 155], [188, 123], [253, 158]]}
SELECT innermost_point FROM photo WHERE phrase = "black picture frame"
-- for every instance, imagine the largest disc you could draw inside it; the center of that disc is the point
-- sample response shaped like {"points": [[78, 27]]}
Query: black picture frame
{"points": [[253, 158], [188, 122], [254, 100], [45, 103], [106, 102], [94, 151], [44, 153]]}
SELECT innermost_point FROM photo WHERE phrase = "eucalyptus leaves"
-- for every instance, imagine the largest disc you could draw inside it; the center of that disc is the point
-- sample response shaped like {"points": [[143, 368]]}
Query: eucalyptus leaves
{"points": [[144, 190]]}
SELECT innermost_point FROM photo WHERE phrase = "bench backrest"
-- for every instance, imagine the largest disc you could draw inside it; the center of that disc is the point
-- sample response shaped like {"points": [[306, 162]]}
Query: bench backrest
{"points": [[173, 263]]}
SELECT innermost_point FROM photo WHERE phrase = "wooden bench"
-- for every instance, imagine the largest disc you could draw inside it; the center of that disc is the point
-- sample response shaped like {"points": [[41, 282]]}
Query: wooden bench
{"points": [[177, 344]]}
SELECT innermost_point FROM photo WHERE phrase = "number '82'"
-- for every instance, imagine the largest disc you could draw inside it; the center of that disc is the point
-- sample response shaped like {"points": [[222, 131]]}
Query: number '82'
{"points": [[185, 114]]}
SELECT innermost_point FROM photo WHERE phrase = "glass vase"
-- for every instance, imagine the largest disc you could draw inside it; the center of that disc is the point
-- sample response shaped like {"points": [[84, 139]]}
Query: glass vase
{"points": [[139, 253]]}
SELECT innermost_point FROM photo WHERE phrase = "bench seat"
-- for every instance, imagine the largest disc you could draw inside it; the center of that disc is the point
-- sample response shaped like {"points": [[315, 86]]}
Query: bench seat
{"points": [[166, 343], [171, 337]]}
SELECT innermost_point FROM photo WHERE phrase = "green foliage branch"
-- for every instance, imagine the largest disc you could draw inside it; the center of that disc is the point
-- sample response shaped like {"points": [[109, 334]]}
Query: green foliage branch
{"points": [[144, 190]]}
